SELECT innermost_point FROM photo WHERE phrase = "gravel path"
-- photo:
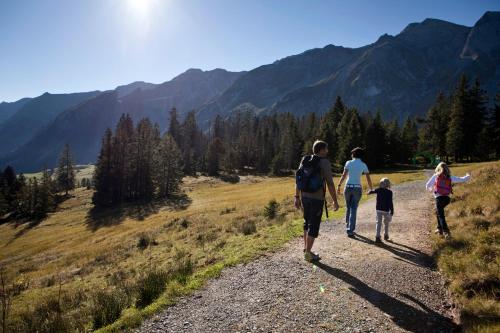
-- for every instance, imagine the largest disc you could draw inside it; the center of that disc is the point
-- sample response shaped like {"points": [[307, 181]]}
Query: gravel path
{"points": [[357, 287]]}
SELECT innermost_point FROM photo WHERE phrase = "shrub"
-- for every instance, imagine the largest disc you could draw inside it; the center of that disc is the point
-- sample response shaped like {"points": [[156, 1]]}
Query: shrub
{"points": [[227, 210], [107, 307], [150, 287], [46, 317], [145, 240], [48, 281], [271, 210], [248, 227], [183, 270], [184, 223]]}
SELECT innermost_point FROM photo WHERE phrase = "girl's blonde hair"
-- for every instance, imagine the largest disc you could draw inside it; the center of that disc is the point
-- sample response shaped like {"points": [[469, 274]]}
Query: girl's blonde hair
{"points": [[442, 168], [385, 183]]}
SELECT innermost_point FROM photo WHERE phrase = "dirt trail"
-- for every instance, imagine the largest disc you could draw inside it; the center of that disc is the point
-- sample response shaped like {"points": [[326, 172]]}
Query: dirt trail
{"points": [[357, 287]]}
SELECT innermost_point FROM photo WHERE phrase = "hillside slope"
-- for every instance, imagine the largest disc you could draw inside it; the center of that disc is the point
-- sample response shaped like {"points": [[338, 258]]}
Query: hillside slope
{"points": [[8, 109], [34, 116], [83, 126]]}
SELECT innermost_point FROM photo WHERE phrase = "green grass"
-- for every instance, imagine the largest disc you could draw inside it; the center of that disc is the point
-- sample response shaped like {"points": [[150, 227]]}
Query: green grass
{"points": [[471, 259], [89, 254]]}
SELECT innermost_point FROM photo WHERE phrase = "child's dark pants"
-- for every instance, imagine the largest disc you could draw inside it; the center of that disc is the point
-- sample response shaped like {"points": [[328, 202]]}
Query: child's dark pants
{"points": [[441, 202]]}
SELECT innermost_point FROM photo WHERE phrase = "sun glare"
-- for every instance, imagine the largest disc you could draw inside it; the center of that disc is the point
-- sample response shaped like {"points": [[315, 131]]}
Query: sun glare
{"points": [[140, 8]]}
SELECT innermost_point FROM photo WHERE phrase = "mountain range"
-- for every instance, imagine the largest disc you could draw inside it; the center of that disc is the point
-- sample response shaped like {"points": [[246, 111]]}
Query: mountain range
{"points": [[399, 75]]}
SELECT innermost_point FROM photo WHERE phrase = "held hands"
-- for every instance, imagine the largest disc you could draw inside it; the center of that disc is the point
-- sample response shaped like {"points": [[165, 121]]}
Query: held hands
{"points": [[298, 203], [338, 190]]}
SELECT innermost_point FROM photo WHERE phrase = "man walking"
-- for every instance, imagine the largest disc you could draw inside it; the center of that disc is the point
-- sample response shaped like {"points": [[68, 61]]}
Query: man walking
{"points": [[313, 175]]}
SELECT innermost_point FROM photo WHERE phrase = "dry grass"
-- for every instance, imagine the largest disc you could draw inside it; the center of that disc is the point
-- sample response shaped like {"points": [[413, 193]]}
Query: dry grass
{"points": [[471, 259], [88, 252], [82, 171]]}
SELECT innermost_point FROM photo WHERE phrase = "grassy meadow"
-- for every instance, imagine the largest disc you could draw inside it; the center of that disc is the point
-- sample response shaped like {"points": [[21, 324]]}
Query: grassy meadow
{"points": [[471, 259], [89, 269]]}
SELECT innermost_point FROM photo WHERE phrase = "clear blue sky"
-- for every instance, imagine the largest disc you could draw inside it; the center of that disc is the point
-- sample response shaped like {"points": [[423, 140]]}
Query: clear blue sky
{"points": [[79, 45]]}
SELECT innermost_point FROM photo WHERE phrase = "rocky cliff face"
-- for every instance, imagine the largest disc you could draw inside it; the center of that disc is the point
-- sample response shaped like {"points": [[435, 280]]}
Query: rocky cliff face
{"points": [[400, 75]]}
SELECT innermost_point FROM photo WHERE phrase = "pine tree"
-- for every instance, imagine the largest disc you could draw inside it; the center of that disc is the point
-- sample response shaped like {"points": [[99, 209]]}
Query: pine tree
{"points": [[310, 132], [277, 164], [218, 128], [475, 118], [409, 140], [174, 128], [291, 143], [214, 155], [122, 147], [349, 135], [495, 126], [65, 173], [375, 142], [103, 173], [328, 127], [434, 131], [4, 205], [393, 146], [169, 173], [146, 141], [266, 150], [11, 187], [190, 144], [45, 201], [455, 137]]}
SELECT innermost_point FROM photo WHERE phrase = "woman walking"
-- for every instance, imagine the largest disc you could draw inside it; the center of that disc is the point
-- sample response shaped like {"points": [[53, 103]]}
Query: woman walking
{"points": [[353, 190]]}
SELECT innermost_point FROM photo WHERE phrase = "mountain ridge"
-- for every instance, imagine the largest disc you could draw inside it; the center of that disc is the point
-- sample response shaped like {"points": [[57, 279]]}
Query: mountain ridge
{"points": [[82, 126], [399, 75]]}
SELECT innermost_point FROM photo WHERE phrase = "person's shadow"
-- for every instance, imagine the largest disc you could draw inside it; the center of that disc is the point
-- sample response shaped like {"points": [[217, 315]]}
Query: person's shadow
{"points": [[405, 316], [403, 252]]}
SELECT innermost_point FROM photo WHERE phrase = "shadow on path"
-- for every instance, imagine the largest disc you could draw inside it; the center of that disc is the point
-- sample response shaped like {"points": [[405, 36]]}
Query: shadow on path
{"points": [[413, 319], [404, 252]]}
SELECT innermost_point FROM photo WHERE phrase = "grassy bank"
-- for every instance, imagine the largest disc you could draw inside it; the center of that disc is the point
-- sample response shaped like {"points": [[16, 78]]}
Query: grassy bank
{"points": [[87, 269], [471, 259]]}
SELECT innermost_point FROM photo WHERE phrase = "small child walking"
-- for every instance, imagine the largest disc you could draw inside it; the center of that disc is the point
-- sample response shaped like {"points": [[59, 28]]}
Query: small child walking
{"points": [[441, 183], [385, 208]]}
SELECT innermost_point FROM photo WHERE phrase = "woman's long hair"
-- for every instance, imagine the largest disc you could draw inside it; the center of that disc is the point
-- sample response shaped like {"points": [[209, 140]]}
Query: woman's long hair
{"points": [[442, 169]]}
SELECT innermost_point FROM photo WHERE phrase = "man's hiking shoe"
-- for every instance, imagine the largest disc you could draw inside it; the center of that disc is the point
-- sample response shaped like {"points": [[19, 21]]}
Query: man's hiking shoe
{"points": [[351, 236], [386, 237], [378, 240], [310, 256]]}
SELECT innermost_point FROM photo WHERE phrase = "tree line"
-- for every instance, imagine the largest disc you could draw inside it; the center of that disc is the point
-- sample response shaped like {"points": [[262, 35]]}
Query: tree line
{"points": [[461, 125], [138, 163], [33, 198]]}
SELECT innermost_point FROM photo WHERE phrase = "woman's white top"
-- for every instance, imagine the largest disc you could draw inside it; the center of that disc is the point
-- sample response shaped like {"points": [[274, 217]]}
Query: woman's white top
{"points": [[430, 183]]}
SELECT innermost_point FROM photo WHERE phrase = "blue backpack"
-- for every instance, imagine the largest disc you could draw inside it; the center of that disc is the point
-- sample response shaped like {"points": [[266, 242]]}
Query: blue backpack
{"points": [[308, 177]]}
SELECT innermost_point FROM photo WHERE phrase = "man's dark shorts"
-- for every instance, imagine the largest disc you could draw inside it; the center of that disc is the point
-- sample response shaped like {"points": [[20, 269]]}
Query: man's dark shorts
{"points": [[313, 211]]}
